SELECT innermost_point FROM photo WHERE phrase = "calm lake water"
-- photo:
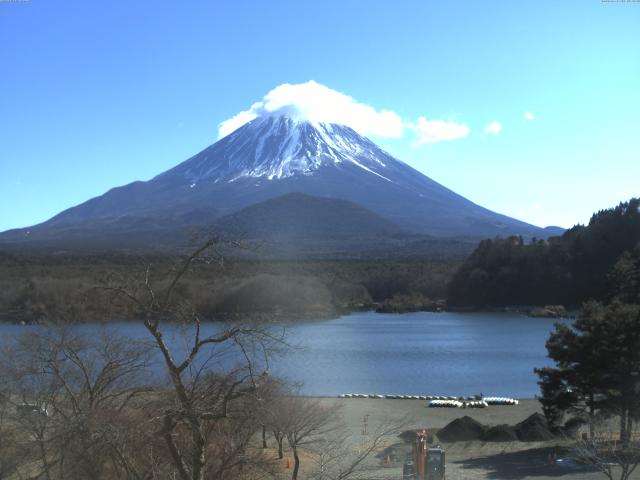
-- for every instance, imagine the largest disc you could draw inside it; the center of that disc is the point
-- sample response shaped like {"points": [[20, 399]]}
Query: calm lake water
{"points": [[414, 353]]}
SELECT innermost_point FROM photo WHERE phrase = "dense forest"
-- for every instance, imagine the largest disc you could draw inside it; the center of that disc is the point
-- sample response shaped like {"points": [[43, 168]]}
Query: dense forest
{"points": [[69, 288], [582, 264]]}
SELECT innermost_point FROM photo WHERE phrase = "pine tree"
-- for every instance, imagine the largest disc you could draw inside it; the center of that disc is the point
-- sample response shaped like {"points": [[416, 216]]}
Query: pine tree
{"points": [[597, 365]]}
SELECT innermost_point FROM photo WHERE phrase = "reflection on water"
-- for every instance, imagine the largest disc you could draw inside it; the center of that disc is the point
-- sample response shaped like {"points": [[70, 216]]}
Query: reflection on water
{"points": [[416, 353], [420, 353]]}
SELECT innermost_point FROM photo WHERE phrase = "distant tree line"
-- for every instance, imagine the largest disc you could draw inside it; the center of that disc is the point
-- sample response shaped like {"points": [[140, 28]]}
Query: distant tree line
{"points": [[583, 264], [106, 407], [32, 287]]}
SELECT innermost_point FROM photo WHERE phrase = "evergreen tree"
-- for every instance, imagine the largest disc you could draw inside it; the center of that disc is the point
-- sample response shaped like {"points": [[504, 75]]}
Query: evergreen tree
{"points": [[625, 277], [597, 365], [567, 270]]}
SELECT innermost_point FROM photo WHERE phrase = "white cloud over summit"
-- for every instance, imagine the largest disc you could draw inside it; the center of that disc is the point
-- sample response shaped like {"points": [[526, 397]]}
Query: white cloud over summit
{"points": [[317, 103]]}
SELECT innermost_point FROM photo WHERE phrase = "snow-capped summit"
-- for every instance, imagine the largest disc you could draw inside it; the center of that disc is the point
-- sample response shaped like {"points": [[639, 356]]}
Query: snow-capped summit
{"points": [[276, 152], [280, 146], [316, 103]]}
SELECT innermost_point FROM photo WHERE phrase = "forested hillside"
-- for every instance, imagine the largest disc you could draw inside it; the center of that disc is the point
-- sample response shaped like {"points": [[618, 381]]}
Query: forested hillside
{"points": [[578, 266], [69, 288]]}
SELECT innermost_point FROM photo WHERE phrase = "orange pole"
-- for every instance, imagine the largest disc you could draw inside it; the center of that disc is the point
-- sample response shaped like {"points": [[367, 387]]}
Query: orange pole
{"points": [[420, 453]]}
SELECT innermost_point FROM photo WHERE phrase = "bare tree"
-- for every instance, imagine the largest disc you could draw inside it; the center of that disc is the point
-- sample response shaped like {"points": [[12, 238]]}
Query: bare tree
{"points": [[606, 452], [10, 453], [202, 401], [68, 395], [335, 457], [307, 422], [271, 414], [82, 406], [275, 416]]}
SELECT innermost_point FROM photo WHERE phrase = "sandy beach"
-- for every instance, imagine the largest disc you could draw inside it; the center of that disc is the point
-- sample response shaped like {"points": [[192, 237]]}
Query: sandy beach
{"points": [[469, 460]]}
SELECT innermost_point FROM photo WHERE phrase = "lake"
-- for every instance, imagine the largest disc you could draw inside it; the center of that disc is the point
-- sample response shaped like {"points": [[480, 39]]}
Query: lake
{"points": [[419, 353]]}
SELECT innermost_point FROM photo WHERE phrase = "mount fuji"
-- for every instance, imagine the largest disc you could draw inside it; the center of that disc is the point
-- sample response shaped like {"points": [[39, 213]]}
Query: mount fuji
{"points": [[272, 156]]}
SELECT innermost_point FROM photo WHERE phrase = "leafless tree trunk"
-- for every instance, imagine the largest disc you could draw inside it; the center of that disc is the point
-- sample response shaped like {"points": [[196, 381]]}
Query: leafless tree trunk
{"points": [[200, 400], [335, 458], [68, 394], [280, 440], [306, 421], [89, 412], [11, 455], [614, 457]]}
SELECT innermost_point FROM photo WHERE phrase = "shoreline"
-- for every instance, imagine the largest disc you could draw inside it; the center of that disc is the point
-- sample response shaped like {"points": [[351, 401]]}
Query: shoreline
{"points": [[301, 318], [406, 400], [465, 460]]}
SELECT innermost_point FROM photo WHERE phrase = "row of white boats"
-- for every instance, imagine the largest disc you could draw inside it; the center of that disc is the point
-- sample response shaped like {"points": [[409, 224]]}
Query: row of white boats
{"points": [[501, 401], [439, 401], [457, 404]]}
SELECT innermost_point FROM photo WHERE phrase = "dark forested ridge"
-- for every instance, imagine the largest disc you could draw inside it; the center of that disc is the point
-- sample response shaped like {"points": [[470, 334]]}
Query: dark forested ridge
{"points": [[581, 264], [586, 262], [60, 288]]}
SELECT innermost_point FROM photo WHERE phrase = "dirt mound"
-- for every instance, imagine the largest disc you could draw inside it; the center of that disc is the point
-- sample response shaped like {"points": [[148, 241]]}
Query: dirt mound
{"points": [[501, 433], [462, 430], [534, 429]]}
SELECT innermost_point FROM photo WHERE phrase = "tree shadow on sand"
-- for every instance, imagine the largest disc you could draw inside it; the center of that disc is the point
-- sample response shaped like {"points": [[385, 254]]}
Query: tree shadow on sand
{"points": [[533, 462]]}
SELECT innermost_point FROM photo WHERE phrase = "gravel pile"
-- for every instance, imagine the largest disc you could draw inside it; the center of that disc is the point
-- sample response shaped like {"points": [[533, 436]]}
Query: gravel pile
{"points": [[534, 429], [501, 433], [462, 430]]}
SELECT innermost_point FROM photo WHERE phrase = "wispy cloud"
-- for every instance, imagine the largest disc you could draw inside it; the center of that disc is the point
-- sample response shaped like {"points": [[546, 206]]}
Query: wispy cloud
{"points": [[314, 102], [433, 131], [494, 128], [529, 116]]}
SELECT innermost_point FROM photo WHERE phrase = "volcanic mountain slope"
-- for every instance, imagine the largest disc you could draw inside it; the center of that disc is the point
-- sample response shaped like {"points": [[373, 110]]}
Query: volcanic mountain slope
{"points": [[296, 216], [266, 158]]}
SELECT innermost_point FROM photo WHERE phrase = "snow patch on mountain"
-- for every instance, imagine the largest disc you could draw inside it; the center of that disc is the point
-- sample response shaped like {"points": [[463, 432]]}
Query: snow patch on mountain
{"points": [[276, 147]]}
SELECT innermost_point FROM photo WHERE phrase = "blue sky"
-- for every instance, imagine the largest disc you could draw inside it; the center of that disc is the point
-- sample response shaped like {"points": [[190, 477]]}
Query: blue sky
{"points": [[98, 94]]}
